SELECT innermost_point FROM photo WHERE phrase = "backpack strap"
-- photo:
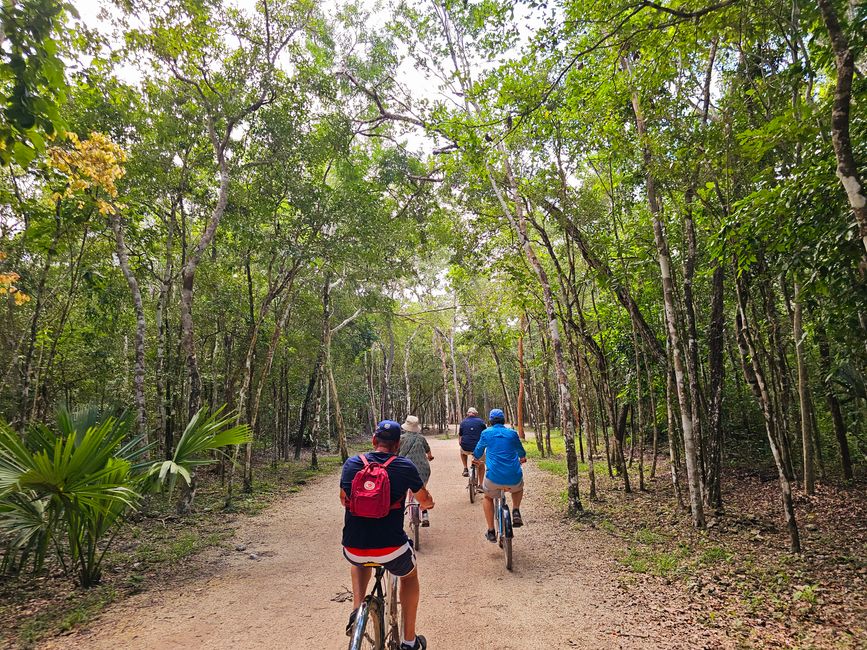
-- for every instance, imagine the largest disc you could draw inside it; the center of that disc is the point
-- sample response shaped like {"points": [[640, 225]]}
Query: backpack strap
{"points": [[364, 460], [388, 462]]}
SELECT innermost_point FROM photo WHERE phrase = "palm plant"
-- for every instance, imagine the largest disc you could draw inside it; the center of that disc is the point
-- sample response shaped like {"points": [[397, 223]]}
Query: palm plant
{"points": [[71, 485]]}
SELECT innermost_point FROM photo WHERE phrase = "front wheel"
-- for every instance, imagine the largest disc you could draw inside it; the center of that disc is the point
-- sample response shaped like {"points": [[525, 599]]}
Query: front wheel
{"points": [[367, 633]]}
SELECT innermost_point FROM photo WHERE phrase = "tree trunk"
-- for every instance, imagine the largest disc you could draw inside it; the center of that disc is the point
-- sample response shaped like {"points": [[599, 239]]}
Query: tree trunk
{"points": [[716, 362], [803, 395], [834, 406], [520, 405], [689, 446], [847, 168], [139, 374], [755, 377]]}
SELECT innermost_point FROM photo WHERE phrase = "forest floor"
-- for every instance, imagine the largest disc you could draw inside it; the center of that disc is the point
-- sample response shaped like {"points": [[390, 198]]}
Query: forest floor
{"points": [[281, 582], [738, 573]]}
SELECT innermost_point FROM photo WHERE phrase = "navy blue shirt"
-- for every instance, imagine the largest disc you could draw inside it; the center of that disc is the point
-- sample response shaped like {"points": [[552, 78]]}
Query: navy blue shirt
{"points": [[364, 532], [470, 431]]}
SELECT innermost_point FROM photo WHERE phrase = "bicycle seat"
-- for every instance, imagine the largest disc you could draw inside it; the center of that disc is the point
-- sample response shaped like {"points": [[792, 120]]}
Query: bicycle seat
{"points": [[372, 564]]}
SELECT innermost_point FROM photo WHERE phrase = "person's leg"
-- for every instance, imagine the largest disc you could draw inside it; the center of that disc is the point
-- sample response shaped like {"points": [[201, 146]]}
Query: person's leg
{"points": [[463, 459], [360, 580], [488, 506], [481, 473], [516, 499], [409, 594]]}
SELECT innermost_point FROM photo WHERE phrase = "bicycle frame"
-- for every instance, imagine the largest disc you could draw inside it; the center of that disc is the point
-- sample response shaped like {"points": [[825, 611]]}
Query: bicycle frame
{"points": [[381, 604]]}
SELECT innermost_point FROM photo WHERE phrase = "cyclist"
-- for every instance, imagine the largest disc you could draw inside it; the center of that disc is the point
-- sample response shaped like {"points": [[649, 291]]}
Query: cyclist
{"points": [[469, 433], [415, 446], [504, 455], [383, 540]]}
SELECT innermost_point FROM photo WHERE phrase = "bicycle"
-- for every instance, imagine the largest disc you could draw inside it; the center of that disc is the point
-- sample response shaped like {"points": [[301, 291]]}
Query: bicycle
{"points": [[377, 624], [503, 521], [473, 485], [414, 518]]}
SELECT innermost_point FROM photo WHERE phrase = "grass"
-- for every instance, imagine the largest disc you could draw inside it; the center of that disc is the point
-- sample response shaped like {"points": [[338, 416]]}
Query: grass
{"points": [[65, 615]]}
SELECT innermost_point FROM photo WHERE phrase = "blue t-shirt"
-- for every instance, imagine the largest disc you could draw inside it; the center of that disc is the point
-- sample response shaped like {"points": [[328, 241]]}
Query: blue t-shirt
{"points": [[470, 431], [364, 532], [503, 450]]}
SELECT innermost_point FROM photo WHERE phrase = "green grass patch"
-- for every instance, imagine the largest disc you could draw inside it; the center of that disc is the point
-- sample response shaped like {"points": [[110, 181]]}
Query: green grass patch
{"points": [[714, 555], [658, 563], [77, 609], [647, 536]]}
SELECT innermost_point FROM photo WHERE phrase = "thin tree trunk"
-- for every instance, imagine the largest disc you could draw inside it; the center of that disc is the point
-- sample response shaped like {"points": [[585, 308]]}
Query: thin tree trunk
{"points": [[834, 406], [803, 395], [132, 281], [690, 451], [755, 377], [520, 405], [716, 361]]}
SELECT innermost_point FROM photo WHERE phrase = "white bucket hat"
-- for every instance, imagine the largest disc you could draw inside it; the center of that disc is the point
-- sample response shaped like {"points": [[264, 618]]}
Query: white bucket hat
{"points": [[411, 424]]}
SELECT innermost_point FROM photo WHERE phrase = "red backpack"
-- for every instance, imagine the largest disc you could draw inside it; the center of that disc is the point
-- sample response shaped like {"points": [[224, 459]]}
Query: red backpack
{"points": [[371, 490]]}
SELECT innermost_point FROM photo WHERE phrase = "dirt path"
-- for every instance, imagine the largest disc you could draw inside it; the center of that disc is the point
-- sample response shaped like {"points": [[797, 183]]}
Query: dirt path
{"points": [[566, 590]]}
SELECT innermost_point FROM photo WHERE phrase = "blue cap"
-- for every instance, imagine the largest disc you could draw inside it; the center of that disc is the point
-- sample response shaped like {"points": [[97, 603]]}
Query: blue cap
{"points": [[497, 414], [388, 430]]}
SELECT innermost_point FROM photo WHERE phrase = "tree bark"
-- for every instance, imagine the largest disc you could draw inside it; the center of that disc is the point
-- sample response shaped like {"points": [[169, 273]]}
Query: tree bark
{"points": [[847, 168], [689, 446], [755, 377], [803, 395], [834, 406], [132, 281]]}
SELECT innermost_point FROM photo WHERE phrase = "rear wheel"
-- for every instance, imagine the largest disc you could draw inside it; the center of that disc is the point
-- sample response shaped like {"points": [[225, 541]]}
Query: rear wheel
{"points": [[472, 485], [367, 633], [392, 619], [507, 537]]}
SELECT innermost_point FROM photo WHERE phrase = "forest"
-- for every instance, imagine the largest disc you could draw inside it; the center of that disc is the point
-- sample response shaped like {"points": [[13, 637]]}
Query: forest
{"points": [[236, 235]]}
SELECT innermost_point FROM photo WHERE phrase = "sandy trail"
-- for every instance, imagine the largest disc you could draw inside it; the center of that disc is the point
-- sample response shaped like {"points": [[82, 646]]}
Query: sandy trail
{"points": [[565, 591]]}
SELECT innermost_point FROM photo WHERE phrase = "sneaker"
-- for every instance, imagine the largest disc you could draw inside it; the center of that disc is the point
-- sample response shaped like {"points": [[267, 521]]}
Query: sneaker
{"points": [[491, 536], [351, 623], [466, 472], [420, 644], [425, 521], [517, 522]]}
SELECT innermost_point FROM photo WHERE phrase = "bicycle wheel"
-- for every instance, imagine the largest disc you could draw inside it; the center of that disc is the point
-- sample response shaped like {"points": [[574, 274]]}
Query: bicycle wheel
{"points": [[507, 537], [472, 485], [392, 617], [367, 633]]}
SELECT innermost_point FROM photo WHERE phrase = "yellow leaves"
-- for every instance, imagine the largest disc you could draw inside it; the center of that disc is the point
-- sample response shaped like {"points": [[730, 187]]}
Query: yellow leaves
{"points": [[7, 285], [92, 165]]}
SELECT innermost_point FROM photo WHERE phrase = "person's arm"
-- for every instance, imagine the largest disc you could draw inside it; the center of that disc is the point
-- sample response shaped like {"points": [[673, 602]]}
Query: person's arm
{"points": [[427, 448], [479, 451], [344, 500]]}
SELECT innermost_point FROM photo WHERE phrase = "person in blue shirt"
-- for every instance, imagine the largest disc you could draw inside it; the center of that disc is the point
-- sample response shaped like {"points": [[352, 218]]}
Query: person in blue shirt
{"points": [[469, 433], [504, 455]]}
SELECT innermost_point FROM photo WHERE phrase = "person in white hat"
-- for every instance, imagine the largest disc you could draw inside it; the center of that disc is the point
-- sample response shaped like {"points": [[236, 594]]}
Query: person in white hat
{"points": [[415, 446]]}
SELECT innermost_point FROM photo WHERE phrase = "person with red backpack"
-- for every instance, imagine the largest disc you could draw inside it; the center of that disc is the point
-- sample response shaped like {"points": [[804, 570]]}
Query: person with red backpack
{"points": [[373, 488]]}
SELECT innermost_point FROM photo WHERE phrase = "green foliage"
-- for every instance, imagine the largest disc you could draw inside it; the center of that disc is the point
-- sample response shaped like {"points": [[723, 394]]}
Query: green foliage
{"points": [[32, 79], [72, 485]]}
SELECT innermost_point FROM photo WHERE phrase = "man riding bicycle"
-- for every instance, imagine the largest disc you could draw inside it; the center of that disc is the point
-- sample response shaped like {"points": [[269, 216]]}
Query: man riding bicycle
{"points": [[469, 432], [504, 455], [415, 446], [368, 539]]}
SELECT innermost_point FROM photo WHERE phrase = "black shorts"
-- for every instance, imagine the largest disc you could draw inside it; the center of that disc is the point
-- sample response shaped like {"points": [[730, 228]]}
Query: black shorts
{"points": [[399, 562]]}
